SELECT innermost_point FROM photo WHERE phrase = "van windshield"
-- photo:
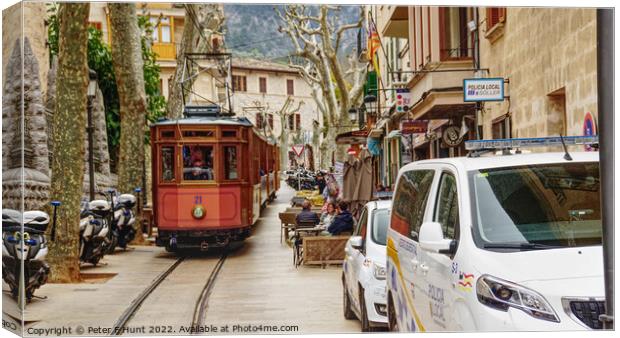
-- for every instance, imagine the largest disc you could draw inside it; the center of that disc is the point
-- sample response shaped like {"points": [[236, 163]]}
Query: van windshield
{"points": [[537, 206]]}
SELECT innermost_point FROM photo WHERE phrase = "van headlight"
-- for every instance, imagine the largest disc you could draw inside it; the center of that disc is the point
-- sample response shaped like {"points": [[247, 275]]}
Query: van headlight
{"points": [[500, 294], [379, 271]]}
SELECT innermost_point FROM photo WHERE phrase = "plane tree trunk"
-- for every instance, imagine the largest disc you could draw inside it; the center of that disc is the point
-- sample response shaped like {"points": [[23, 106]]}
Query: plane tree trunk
{"points": [[128, 68], [68, 160]]}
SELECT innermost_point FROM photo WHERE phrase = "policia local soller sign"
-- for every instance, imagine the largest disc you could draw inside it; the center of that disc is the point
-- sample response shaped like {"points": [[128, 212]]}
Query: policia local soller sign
{"points": [[488, 89]]}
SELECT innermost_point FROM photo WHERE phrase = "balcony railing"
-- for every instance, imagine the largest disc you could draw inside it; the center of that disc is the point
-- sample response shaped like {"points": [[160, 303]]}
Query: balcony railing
{"points": [[457, 53], [165, 51]]}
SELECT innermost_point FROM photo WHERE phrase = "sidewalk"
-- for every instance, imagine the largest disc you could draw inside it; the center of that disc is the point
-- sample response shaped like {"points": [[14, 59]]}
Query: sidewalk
{"points": [[99, 301]]}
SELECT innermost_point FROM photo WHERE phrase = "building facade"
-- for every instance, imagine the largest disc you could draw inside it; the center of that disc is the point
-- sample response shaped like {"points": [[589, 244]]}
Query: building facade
{"points": [[277, 100], [546, 56]]}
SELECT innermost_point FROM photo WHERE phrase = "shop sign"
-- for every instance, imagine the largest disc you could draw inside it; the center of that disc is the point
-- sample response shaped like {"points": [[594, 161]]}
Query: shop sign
{"points": [[298, 149], [589, 129], [452, 136], [403, 100], [413, 127], [478, 90]]}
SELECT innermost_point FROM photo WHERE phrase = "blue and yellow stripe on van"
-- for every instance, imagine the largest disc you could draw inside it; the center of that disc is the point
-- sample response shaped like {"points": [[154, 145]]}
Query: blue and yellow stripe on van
{"points": [[393, 254]]}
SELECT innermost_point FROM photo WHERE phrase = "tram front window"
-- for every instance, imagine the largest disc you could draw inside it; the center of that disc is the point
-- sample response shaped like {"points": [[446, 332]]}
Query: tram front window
{"points": [[198, 163]]}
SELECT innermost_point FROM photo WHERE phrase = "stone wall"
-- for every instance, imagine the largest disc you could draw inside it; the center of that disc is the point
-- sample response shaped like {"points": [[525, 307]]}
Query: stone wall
{"points": [[549, 57]]}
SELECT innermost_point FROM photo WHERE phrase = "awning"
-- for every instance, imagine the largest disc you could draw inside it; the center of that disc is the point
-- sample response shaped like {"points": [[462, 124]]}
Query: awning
{"points": [[446, 103], [352, 137]]}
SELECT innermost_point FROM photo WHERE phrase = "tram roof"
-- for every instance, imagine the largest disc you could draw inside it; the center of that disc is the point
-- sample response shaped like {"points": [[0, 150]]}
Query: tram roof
{"points": [[208, 120]]}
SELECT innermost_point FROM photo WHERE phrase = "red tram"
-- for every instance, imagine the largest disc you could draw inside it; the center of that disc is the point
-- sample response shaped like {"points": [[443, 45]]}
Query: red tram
{"points": [[212, 175]]}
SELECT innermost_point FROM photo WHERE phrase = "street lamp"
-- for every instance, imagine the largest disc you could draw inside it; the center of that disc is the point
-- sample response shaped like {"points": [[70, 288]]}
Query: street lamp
{"points": [[370, 102], [91, 93], [352, 114]]}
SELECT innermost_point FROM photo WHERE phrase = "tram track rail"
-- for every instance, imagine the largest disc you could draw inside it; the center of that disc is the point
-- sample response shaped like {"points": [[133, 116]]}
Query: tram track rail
{"points": [[135, 305], [203, 300], [200, 306]]}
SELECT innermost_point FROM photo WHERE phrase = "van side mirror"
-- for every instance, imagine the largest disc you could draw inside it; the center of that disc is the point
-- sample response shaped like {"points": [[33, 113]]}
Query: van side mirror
{"points": [[356, 242], [431, 238]]}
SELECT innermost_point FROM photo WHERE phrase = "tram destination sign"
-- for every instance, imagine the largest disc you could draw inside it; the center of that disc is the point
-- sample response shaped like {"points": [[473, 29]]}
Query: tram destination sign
{"points": [[479, 90]]}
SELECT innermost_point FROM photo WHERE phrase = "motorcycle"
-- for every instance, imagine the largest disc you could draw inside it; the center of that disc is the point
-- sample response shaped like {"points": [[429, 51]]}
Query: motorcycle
{"points": [[94, 231], [123, 220], [302, 179], [29, 246]]}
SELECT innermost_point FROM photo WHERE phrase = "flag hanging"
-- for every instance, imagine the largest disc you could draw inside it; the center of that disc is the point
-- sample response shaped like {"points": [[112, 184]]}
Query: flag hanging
{"points": [[374, 43]]}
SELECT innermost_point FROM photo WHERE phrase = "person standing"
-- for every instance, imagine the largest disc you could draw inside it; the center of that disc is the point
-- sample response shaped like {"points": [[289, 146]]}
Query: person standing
{"points": [[320, 182]]}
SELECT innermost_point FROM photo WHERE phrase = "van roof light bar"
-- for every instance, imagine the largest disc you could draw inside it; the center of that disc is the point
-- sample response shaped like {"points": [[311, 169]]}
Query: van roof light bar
{"points": [[499, 144]]}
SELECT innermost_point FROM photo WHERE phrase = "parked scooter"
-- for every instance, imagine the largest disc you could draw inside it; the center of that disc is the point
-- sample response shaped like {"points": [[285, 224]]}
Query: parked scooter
{"points": [[301, 179], [94, 230], [124, 220], [29, 246]]}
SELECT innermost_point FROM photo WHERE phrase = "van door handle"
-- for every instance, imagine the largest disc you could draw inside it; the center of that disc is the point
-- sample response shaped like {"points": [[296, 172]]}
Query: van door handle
{"points": [[424, 268]]}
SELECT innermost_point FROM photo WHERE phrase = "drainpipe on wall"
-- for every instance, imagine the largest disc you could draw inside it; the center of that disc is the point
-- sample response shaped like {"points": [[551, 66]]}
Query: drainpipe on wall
{"points": [[476, 30]]}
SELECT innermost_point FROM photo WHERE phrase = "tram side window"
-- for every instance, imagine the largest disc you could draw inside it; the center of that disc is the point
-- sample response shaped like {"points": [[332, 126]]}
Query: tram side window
{"points": [[167, 164], [198, 163], [230, 163]]}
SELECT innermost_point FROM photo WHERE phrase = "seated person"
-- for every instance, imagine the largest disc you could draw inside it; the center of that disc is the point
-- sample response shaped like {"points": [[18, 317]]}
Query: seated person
{"points": [[306, 215], [343, 222], [328, 216]]}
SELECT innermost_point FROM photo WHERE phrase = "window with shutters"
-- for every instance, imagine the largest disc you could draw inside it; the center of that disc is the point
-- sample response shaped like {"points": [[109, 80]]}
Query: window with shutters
{"points": [[495, 15], [270, 120], [291, 122], [495, 19], [259, 120], [297, 121], [262, 85], [290, 89], [240, 83], [456, 41]]}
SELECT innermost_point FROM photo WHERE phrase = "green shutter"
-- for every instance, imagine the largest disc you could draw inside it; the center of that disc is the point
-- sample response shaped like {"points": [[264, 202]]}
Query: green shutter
{"points": [[370, 87]]}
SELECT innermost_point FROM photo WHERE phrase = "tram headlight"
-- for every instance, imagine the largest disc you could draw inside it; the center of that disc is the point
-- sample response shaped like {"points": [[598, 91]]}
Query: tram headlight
{"points": [[198, 212]]}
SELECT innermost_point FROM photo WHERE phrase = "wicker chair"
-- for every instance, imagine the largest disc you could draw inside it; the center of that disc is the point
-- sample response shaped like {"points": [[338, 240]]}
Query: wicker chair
{"points": [[298, 241], [288, 221]]}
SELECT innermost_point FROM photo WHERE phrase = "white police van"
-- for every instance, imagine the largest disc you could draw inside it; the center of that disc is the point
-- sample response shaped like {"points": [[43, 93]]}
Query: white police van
{"points": [[510, 242]]}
